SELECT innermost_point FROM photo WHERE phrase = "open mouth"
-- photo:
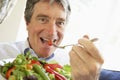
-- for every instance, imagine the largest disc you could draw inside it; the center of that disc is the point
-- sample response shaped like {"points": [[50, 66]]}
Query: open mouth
{"points": [[48, 41], [43, 40]]}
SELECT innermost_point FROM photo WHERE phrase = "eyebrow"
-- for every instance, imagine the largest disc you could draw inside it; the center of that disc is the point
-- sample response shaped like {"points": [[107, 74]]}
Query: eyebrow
{"points": [[61, 19], [42, 15]]}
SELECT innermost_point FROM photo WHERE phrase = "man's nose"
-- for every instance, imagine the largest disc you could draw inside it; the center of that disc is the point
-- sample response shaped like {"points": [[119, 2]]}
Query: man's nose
{"points": [[52, 28]]}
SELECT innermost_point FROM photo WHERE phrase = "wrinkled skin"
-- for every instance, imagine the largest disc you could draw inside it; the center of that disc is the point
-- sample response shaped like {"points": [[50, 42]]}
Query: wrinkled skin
{"points": [[85, 60], [47, 22]]}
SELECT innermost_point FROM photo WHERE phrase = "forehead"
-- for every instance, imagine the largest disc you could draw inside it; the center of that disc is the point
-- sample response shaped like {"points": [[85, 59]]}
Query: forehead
{"points": [[46, 7]]}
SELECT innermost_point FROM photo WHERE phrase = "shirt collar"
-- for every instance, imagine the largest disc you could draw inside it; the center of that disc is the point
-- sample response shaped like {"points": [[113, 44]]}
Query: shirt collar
{"points": [[33, 53]]}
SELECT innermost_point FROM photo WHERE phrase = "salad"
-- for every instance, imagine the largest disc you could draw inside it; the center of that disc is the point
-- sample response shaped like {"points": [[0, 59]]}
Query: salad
{"points": [[28, 67]]}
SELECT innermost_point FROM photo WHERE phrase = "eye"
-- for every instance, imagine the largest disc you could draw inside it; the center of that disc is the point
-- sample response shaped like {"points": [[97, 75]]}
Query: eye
{"points": [[43, 20], [60, 23]]}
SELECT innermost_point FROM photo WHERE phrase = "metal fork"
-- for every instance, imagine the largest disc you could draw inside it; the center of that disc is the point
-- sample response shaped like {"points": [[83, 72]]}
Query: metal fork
{"points": [[64, 46]]}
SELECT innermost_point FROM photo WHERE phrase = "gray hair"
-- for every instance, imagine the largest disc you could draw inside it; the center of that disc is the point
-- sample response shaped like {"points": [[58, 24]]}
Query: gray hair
{"points": [[31, 3]]}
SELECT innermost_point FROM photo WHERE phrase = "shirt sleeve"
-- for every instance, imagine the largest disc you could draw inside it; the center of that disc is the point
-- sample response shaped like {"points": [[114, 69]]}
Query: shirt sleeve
{"points": [[109, 75], [8, 51]]}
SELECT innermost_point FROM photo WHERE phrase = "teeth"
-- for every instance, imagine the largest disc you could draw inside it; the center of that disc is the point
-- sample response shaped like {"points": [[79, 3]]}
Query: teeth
{"points": [[47, 40]]}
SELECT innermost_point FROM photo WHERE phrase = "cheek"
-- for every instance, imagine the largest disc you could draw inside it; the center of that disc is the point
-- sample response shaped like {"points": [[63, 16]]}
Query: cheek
{"points": [[62, 32], [61, 35], [33, 29]]}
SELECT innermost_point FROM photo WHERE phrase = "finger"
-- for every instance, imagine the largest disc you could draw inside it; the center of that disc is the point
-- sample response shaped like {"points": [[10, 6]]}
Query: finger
{"points": [[91, 63], [79, 69], [91, 49], [77, 64], [84, 55], [86, 36]]}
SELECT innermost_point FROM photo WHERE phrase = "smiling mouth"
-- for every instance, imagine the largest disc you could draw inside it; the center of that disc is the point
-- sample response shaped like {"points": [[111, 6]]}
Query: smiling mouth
{"points": [[45, 40]]}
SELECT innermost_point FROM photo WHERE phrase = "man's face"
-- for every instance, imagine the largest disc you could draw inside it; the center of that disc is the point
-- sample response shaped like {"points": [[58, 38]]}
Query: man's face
{"points": [[47, 23]]}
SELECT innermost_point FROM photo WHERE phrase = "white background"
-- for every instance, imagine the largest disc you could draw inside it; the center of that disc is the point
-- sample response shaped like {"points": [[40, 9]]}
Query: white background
{"points": [[97, 18]]}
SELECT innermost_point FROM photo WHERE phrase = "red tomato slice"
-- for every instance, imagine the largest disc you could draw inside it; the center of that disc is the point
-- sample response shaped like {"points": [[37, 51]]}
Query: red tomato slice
{"points": [[8, 73], [35, 62], [57, 75], [50, 42], [54, 66]]}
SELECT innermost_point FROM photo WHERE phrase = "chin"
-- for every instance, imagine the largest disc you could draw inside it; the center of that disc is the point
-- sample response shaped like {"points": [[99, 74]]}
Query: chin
{"points": [[44, 55]]}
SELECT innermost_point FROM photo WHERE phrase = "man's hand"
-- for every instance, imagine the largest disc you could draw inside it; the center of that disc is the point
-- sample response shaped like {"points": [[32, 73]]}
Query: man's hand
{"points": [[85, 60]]}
